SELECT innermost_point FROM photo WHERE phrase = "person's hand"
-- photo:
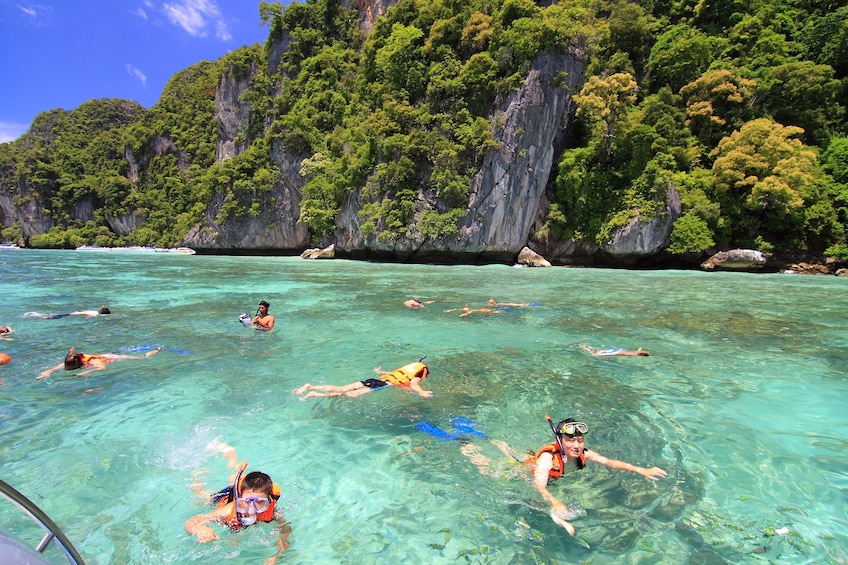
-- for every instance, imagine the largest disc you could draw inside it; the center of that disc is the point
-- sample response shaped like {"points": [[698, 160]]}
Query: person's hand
{"points": [[425, 393], [558, 514], [205, 534], [654, 473]]}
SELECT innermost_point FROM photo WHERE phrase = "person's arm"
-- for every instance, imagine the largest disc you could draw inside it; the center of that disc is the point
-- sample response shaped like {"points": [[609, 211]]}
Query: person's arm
{"points": [[282, 541], [540, 482], [415, 384], [48, 372], [198, 526], [654, 473]]}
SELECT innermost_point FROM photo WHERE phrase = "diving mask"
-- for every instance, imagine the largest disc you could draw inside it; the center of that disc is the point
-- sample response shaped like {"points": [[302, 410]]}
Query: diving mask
{"points": [[569, 428], [259, 503]]}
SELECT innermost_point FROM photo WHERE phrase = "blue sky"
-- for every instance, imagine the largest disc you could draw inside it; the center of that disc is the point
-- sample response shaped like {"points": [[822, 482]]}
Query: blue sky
{"points": [[60, 53]]}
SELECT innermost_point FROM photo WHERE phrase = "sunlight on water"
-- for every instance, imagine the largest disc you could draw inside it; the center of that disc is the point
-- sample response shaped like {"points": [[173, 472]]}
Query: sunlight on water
{"points": [[742, 401]]}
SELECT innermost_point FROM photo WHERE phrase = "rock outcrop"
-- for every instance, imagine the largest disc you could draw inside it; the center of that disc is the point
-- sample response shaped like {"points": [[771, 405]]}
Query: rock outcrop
{"points": [[532, 259], [645, 236], [318, 253], [735, 260], [232, 114]]}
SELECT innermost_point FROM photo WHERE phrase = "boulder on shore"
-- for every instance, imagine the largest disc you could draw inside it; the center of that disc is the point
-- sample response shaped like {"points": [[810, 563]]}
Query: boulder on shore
{"points": [[532, 259], [326, 253], [735, 260]]}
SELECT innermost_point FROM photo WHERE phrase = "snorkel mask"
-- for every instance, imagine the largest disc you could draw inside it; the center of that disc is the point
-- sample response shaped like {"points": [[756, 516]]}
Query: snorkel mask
{"points": [[248, 508]]}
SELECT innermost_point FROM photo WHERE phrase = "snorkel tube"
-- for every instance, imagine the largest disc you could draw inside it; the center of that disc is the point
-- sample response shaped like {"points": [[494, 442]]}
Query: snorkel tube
{"points": [[556, 436]]}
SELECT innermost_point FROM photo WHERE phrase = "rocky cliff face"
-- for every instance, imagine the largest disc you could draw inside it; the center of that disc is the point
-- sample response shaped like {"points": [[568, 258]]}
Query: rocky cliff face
{"points": [[506, 193], [275, 229], [232, 115]]}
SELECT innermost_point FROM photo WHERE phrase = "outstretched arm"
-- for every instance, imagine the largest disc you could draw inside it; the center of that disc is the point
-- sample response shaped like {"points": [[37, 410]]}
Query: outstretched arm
{"points": [[540, 482], [198, 526], [282, 542], [415, 384], [654, 473], [48, 372]]}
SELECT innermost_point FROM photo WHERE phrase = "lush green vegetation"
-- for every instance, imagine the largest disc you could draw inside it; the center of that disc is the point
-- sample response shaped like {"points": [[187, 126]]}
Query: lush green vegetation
{"points": [[739, 106]]}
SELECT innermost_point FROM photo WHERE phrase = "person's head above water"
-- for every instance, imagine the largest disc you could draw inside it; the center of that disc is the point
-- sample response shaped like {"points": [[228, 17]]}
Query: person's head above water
{"points": [[254, 497], [264, 304], [73, 360], [105, 310]]}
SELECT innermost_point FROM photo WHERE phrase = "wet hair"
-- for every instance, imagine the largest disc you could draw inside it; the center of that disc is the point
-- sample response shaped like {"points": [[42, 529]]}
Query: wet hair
{"points": [[265, 304], [5, 330], [73, 361], [105, 310], [257, 481]]}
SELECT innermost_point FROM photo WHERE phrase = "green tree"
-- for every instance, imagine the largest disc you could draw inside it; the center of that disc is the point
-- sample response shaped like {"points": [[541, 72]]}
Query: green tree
{"points": [[604, 101], [679, 56], [717, 103], [806, 95], [760, 173]]}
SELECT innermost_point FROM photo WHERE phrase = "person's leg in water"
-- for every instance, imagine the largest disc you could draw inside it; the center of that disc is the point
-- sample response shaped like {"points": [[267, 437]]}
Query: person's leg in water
{"points": [[318, 391]]}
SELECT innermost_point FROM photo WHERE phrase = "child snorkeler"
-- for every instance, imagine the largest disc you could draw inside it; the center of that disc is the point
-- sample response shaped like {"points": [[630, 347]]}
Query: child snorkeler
{"points": [[251, 498]]}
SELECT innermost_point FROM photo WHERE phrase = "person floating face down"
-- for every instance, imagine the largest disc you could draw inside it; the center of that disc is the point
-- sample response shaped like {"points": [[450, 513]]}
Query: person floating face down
{"points": [[409, 376], [568, 450], [94, 362], [263, 320], [250, 499]]}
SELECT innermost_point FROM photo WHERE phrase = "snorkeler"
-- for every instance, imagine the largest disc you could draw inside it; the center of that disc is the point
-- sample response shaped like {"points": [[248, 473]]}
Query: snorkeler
{"points": [[96, 362], [84, 313], [551, 461], [612, 351], [409, 376], [249, 499]]}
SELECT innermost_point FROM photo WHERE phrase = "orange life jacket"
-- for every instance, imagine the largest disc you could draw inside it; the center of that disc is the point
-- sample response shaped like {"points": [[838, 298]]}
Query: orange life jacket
{"points": [[232, 521], [558, 466], [404, 375], [87, 359]]}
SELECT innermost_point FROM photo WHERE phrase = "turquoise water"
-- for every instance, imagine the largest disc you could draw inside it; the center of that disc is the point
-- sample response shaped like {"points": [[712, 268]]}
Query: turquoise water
{"points": [[743, 402]]}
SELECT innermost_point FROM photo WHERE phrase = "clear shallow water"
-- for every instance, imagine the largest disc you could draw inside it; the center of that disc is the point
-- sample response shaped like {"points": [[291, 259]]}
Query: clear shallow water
{"points": [[743, 401]]}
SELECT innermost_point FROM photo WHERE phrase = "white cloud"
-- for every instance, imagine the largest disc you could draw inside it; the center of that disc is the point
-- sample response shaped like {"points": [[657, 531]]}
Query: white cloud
{"points": [[196, 16], [141, 13], [11, 132], [139, 76], [35, 14]]}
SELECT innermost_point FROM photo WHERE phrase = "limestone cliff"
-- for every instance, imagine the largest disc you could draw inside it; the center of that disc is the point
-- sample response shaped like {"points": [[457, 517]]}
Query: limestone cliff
{"points": [[506, 192]]}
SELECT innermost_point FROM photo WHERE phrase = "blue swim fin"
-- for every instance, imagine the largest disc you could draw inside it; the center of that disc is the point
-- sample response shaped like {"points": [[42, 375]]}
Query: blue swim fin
{"points": [[436, 432], [140, 348], [466, 426]]}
